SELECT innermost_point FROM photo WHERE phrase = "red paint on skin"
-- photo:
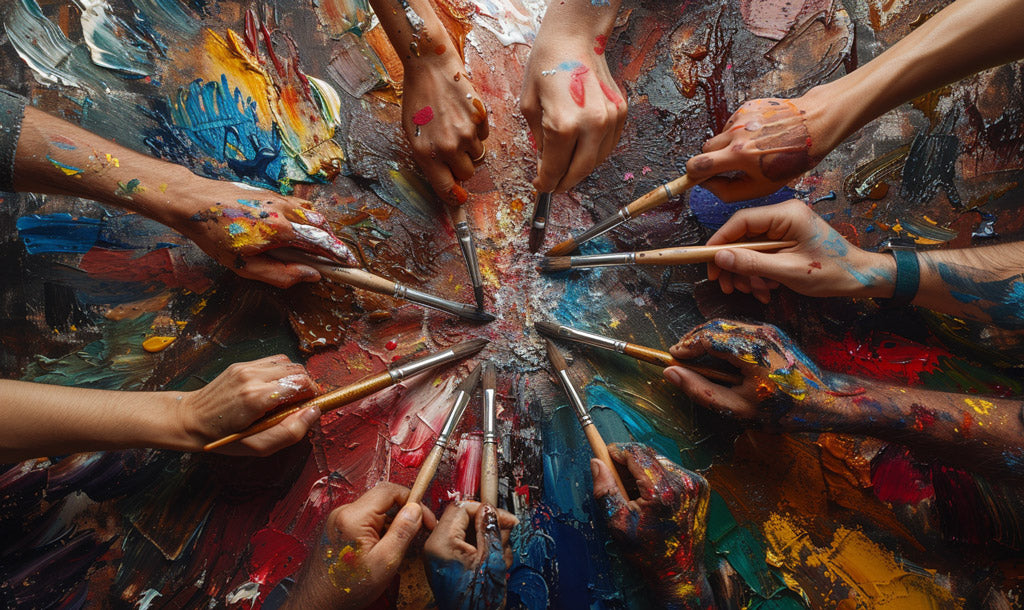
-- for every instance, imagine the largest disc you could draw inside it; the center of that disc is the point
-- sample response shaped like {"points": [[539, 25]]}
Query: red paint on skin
{"points": [[895, 478], [576, 89], [390, 345], [423, 116], [275, 555], [439, 49], [612, 93], [459, 194], [600, 42], [814, 265], [923, 418], [966, 424]]}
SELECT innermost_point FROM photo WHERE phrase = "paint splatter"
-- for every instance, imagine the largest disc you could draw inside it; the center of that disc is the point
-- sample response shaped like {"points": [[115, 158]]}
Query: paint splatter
{"points": [[576, 86], [423, 116]]}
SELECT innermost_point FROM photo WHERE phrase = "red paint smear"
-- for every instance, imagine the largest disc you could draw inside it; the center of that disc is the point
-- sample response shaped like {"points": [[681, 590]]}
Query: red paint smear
{"points": [[159, 265], [897, 479], [523, 491], [459, 194], [467, 465], [390, 345], [923, 418], [600, 42], [612, 93], [439, 49], [966, 424], [316, 492], [576, 85], [274, 556], [423, 116], [880, 355]]}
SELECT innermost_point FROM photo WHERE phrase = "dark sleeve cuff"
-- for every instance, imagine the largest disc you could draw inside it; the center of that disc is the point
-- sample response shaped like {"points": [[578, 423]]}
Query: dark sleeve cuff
{"points": [[12, 110]]}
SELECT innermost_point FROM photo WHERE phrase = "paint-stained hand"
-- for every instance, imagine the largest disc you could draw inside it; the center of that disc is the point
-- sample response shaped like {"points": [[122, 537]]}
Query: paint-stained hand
{"points": [[446, 123], [354, 563], [574, 108], [821, 264], [238, 225], [782, 388], [764, 145], [662, 531], [243, 393], [463, 575]]}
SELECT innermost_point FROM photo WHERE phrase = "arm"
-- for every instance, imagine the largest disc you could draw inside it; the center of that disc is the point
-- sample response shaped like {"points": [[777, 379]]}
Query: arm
{"points": [[354, 563], [985, 284], [465, 576], [661, 533], [56, 420], [574, 109], [773, 141], [783, 390], [442, 115], [233, 223]]}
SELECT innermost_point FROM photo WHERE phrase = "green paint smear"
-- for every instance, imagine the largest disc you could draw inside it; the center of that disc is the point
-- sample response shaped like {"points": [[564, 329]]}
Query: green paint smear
{"points": [[115, 362], [272, 340]]}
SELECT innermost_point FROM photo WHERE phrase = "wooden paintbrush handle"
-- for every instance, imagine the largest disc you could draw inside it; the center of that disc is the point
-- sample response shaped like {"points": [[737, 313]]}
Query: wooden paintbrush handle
{"points": [[489, 475], [600, 450], [702, 254], [659, 195], [426, 475], [663, 358], [342, 275], [326, 402]]}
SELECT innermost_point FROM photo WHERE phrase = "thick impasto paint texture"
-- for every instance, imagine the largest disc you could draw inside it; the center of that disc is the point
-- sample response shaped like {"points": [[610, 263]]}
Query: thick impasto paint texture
{"points": [[303, 98]]}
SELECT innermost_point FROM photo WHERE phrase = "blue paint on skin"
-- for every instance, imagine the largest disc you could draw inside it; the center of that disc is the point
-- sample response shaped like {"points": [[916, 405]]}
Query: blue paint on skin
{"points": [[569, 66], [460, 587], [1002, 300]]}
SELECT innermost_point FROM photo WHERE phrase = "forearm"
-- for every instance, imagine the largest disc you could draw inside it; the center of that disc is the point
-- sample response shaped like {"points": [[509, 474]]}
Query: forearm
{"points": [[583, 21], [416, 33], [57, 157], [966, 37], [44, 420]]}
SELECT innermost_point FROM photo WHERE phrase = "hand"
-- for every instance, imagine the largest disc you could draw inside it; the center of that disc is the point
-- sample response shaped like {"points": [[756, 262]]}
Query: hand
{"points": [[237, 225], [354, 563], [445, 121], [821, 264], [240, 395], [574, 109], [662, 532], [461, 575], [768, 143], [782, 388]]}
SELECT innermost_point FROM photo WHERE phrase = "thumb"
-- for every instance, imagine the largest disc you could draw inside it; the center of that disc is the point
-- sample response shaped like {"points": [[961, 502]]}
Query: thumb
{"points": [[396, 540], [604, 482]]}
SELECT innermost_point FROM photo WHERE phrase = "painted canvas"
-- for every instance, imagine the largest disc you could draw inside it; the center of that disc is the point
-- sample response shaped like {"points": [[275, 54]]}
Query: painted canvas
{"points": [[303, 97]]}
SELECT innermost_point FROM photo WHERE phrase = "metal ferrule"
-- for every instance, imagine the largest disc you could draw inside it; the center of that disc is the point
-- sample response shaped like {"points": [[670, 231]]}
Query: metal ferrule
{"points": [[490, 417], [434, 302], [603, 226], [574, 398], [469, 252], [461, 400], [594, 339], [399, 373], [540, 211], [603, 260]]}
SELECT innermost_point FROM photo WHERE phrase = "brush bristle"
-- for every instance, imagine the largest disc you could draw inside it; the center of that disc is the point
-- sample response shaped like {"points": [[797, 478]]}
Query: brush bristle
{"points": [[548, 329], [552, 264], [468, 348], [555, 356], [470, 382], [489, 376], [478, 294], [476, 315], [563, 248]]}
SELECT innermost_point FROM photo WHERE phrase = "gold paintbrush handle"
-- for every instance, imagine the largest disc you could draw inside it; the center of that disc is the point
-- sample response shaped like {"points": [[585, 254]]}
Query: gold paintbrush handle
{"points": [[600, 450], [659, 195]]}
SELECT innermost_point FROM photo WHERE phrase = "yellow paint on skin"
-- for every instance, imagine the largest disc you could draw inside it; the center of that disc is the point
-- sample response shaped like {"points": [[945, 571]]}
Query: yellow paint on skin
{"points": [[980, 405], [853, 564], [157, 344], [791, 382], [112, 160]]}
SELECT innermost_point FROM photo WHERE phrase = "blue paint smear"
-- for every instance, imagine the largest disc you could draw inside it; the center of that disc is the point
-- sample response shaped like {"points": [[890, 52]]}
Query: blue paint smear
{"points": [[712, 212], [42, 233], [1002, 300]]}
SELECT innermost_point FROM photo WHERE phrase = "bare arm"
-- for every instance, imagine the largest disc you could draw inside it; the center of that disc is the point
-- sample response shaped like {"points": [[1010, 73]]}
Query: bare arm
{"points": [[234, 223], [43, 420]]}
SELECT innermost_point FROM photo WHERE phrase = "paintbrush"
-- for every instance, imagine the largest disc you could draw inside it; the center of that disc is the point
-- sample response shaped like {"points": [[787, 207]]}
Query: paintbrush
{"points": [[648, 201], [682, 255], [489, 460], [597, 443], [360, 389], [462, 395], [539, 223], [375, 283], [461, 223], [646, 354]]}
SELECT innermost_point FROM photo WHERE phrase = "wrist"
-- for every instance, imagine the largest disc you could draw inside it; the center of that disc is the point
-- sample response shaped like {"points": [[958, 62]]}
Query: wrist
{"points": [[827, 116], [166, 199], [875, 276], [178, 428], [433, 47]]}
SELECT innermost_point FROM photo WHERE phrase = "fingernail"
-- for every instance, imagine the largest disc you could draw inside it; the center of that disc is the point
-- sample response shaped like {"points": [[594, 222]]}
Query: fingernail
{"points": [[725, 258], [411, 512], [594, 469], [673, 375], [310, 416]]}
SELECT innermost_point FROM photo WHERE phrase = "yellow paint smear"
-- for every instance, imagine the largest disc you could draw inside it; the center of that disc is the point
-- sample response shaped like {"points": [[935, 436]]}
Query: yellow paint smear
{"points": [[851, 572], [157, 344], [980, 406]]}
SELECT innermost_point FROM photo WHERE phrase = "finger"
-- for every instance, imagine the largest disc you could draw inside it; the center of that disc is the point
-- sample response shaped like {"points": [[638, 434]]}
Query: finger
{"points": [[290, 431], [611, 138], [584, 159], [429, 519], [320, 241], [376, 503], [718, 141], [393, 544], [555, 158], [442, 181], [782, 268], [604, 481], [460, 162], [746, 223], [488, 534], [476, 150], [274, 272], [480, 120], [453, 523], [759, 288], [293, 387], [531, 112], [706, 393], [703, 166], [643, 466], [620, 121]]}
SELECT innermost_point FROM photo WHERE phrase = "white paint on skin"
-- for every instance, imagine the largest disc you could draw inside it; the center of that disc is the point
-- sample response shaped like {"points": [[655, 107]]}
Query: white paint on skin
{"points": [[323, 240]]}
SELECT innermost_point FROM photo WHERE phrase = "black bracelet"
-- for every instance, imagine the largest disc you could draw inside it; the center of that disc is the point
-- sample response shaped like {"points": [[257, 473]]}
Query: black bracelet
{"points": [[908, 277]]}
